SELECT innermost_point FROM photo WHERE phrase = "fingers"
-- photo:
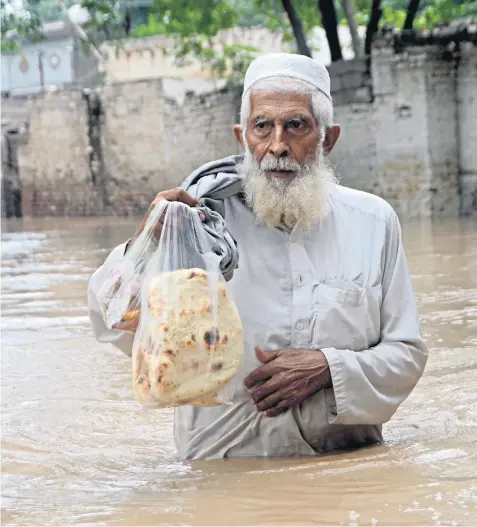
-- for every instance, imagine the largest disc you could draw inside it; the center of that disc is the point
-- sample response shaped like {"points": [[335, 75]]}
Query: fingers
{"points": [[260, 374], [269, 402], [178, 194], [263, 390], [278, 402], [263, 372], [265, 356], [275, 396], [279, 408]]}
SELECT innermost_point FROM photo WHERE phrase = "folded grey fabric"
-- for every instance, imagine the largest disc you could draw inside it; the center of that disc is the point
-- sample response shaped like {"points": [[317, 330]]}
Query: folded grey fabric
{"points": [[211, 184]]}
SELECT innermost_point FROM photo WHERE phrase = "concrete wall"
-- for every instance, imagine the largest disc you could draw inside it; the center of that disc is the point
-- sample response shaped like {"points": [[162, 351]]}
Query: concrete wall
{"points": [[412, 142], [198, 130], [54, 164], [152, 57], [144, 140], [467, 128], [408, 135], [21, 71]]}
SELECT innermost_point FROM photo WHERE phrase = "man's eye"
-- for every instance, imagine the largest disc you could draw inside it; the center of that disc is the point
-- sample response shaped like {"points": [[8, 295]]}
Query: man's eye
{"points": [[297, 125], [262, 126]]}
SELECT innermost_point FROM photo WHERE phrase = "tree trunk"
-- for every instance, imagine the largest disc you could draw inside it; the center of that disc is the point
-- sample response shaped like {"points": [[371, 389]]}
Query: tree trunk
{"points": [[373, 25], [330, 24], [353, 26], [411, 14], [297, 27]]}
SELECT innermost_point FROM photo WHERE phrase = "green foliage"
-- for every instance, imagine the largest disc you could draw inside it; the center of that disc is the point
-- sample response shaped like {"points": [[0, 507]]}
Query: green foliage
{"points": [[229, 61], [444, 11], [188, 18], [430, 14], [270, 14], [192, 24], [17, 25], [106, 20]]}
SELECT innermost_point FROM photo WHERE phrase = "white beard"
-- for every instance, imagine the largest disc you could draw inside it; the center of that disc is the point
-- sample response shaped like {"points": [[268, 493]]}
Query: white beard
{"points": [[298, 203]]}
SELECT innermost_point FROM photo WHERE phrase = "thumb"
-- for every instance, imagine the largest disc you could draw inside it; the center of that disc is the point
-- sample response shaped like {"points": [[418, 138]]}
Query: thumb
{"points": [[265, 356]]}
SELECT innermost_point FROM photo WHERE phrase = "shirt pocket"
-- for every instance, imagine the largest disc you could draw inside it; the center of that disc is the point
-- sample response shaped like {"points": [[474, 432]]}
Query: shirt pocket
{"points": [[344, 315]]}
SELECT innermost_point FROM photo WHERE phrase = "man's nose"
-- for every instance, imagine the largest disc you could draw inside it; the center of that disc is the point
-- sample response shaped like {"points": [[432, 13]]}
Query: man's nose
{"points": [[278, 146]]}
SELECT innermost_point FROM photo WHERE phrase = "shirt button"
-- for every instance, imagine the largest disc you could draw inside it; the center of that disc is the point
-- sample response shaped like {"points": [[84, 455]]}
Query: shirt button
{"points": [[299, 325]]}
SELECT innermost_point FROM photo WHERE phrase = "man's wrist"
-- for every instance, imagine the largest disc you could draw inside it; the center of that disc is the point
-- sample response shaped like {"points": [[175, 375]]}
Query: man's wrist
{"points": [[328, 381]]}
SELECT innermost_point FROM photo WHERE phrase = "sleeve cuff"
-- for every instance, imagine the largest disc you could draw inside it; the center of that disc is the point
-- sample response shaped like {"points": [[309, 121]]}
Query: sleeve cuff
{"points": [[336, 396]]}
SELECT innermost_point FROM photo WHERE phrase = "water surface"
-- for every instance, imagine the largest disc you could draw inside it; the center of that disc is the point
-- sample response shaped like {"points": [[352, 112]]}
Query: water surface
{"points": [[78, 449]]}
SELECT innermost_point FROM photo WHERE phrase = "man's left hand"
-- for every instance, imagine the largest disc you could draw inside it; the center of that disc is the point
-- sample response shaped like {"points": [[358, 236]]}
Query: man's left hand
{"points": [[287, 378]]}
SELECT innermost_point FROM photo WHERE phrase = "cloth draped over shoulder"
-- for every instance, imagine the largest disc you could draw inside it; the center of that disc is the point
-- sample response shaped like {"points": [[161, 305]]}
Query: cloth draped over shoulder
{"points": [[212, 184]]}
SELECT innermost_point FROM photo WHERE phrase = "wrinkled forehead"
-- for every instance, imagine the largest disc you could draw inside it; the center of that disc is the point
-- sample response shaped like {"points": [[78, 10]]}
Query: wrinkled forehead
{"points": [[280, 104]]}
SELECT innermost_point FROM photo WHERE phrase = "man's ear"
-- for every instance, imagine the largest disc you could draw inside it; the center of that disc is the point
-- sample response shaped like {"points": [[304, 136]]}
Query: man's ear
{"points": [[331, 137], [239, 135]]}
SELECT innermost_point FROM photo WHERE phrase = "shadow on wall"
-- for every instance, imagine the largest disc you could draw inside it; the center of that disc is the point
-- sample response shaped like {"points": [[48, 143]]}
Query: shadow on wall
{"points": [[11, 186]]}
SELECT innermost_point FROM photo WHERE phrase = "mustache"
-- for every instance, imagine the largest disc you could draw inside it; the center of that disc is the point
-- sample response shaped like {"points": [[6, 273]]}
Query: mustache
{"points": [[271, 163]]}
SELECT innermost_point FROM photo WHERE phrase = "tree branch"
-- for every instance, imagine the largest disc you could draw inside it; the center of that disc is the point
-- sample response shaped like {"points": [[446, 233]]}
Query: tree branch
{"points": [[373, 25], [411, 14], [297, 27], [330, 24]]}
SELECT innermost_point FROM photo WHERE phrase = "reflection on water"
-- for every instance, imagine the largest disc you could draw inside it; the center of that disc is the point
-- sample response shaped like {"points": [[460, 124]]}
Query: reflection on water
{"points": [[78, 449]]}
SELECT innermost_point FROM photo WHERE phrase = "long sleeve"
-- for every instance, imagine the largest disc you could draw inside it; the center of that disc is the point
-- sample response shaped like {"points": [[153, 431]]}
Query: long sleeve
{"points": [[120, 339], [369, 386]]}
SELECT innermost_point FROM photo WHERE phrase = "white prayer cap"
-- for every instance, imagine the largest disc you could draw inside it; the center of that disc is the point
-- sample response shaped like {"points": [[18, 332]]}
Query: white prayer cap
{"points": [[288, 65]]}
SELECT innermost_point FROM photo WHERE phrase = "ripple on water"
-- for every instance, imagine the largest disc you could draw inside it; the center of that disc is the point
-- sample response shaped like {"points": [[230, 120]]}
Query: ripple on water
{"points": [[77, 448]]}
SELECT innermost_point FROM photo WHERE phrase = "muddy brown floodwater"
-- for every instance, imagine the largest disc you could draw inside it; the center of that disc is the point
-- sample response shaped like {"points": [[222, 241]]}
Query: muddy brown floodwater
{"points": [[78, 449]]}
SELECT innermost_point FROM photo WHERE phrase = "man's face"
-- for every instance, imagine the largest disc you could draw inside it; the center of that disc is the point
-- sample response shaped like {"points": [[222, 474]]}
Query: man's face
{"points": [[282, 126], [286, 178]]}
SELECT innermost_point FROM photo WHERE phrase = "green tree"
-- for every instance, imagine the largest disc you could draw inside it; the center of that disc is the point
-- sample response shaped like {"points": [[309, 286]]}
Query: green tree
{"points": [[17, 25]]}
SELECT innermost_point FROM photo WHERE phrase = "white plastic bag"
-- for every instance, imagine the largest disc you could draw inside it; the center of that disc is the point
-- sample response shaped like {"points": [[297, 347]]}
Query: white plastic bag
{"points": [[188, 344]]}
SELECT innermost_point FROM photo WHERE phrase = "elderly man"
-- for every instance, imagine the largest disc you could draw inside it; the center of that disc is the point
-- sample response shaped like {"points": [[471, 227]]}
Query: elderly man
{"points": [[318, 272]]}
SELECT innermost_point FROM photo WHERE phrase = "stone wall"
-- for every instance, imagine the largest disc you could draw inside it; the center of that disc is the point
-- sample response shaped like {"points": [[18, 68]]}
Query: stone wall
{"points": [[407, 123]]}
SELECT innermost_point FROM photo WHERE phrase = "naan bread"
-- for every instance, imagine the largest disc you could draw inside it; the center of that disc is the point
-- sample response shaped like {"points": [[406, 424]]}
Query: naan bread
{"points": [[189, 347]]}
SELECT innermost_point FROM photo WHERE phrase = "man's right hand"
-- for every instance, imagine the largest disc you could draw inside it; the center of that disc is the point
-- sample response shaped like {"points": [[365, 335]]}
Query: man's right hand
{"points": [[176, 194]]}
